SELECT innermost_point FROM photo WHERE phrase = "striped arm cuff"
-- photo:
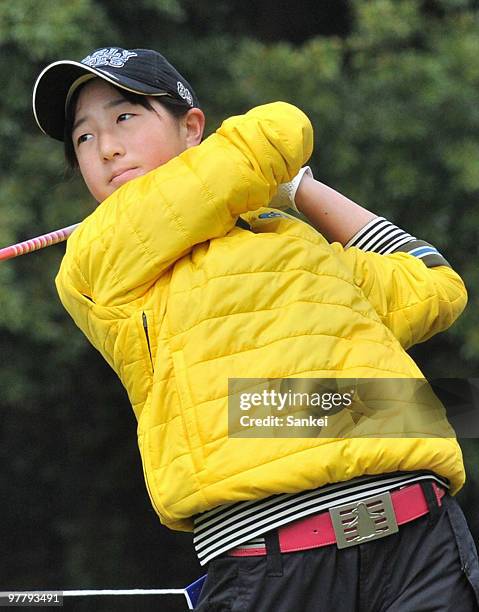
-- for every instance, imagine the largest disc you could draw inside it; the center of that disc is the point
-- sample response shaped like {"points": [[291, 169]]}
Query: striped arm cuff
{"points": [[383, 237]]}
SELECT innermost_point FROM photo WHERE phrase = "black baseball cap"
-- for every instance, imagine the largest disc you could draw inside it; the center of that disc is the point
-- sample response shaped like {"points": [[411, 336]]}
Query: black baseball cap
{"points": [[140, 71]]}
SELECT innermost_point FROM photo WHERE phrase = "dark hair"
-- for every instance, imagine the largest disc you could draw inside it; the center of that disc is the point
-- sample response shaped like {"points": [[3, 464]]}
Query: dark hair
{"points": [[175, 109]]}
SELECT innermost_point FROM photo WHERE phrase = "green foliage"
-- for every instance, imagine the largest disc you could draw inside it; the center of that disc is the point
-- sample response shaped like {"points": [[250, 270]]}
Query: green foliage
{"points": [[38, 27], [170, 8], [386, 22], [394, 105]]}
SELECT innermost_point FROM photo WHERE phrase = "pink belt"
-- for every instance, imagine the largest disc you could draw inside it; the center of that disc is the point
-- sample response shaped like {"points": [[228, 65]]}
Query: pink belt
{"points": [[352, 523]]}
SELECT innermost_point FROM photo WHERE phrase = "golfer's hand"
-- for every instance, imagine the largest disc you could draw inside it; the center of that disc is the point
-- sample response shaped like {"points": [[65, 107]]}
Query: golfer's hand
{"points": [[286, 193]]}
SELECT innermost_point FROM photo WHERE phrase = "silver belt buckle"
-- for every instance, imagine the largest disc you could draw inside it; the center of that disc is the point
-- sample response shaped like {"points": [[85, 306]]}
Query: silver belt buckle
{"points": [[365, 520]]}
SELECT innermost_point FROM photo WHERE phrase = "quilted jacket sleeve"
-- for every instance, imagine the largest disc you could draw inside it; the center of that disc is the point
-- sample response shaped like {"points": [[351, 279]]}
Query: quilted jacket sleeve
{"points": [[138, 232], [413, 300]]}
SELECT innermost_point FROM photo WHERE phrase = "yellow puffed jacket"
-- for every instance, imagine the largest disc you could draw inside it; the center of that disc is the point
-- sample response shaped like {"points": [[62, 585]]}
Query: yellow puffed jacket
{"points": [[178, 298]]}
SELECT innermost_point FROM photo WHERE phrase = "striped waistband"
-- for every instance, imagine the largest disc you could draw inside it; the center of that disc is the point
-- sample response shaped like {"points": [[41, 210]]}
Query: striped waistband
{"points": [[244, 523]]}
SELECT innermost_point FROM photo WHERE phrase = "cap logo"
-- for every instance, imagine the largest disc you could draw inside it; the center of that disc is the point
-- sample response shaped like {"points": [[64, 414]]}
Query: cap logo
{"points": [[111, 56], [184, 93]]}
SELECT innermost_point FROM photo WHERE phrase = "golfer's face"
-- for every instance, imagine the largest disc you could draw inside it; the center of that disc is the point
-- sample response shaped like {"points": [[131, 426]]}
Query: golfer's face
{"points": [[116, 141]]}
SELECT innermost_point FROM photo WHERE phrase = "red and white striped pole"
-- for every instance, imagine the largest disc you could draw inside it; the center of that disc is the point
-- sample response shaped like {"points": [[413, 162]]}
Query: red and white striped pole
{"points": [[22, 248]]}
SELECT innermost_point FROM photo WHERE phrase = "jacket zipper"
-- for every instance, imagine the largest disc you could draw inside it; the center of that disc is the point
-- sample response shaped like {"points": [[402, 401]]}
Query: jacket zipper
{"points": [[145, 327], [145, 470]]}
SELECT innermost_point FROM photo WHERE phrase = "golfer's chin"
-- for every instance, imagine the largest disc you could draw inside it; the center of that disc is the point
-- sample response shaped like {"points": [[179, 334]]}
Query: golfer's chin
{"points": [[107, 190]]}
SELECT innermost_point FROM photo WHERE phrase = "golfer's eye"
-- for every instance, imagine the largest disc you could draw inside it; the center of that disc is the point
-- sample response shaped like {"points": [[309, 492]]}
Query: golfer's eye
{"points": [[124, 117], [83, 138]]}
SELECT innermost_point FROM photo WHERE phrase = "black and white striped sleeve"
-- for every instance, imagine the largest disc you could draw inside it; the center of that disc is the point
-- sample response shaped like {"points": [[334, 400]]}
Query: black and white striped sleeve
{"points": [[383, 237]]}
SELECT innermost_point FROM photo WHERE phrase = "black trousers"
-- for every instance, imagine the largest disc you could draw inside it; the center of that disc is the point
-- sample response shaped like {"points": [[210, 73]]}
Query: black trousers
{"points": [[431, 565]]}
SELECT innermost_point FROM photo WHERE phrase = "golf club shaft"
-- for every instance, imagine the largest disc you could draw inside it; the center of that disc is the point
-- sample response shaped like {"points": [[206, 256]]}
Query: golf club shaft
{"points": [[22, 248]]}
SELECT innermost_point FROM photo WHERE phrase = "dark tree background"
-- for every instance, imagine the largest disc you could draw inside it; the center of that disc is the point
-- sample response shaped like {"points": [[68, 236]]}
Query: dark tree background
{"points": [[391, 87]]}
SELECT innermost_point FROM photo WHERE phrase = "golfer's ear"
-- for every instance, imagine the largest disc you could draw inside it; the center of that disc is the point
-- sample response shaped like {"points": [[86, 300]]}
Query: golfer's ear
{"points": [[194, 124]]}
